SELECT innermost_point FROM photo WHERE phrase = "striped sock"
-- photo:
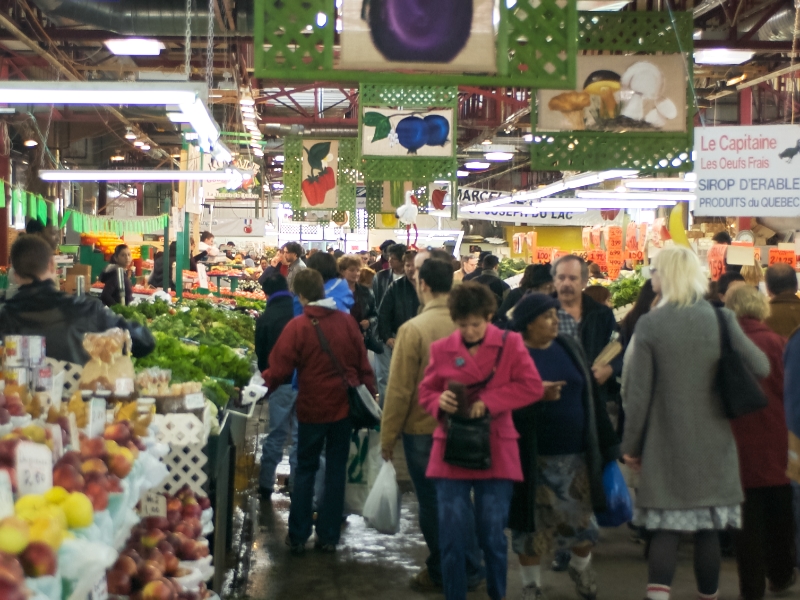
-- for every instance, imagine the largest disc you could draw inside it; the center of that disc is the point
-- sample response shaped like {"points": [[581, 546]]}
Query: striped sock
{"points": [[657, 592], [714, 596]]}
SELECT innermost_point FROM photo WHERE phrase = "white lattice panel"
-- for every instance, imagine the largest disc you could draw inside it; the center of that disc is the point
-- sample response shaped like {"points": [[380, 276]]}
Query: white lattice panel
{"points": [[181, 429], [72, 374], [185, 465]]}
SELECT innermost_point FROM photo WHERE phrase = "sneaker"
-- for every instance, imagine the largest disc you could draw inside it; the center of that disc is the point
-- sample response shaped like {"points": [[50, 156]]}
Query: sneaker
{"points": [[585, 582], [422, 582], [532, 592], [295, 549], [782, 589], [326, 548], [561, 561]]}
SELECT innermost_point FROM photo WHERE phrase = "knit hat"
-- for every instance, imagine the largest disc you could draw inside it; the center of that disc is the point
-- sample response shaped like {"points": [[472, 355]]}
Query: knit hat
{"points": [[531, 306], [540, 275]]}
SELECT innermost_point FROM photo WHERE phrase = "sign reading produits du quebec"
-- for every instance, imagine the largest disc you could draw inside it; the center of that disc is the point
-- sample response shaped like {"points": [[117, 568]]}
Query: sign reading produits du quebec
{"points": [[747, 171]]}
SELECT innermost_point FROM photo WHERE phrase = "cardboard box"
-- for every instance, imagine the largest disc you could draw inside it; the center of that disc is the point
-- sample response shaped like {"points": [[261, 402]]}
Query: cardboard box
{"points": [[72, 274]]}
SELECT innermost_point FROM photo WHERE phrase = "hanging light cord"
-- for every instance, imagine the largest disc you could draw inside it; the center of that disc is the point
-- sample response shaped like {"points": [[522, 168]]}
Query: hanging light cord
{"points": [[187, 46]]}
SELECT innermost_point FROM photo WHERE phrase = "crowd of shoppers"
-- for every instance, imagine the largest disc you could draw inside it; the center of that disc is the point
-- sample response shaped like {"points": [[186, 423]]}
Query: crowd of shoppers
{"points": [[440, 365]]}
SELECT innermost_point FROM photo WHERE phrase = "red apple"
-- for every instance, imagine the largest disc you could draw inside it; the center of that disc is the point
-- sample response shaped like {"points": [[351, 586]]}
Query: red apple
{"points": [[150, 571], [119, 582], [152, 537], [205, 503], [171, 563], [196, 525], [114, 484], [93, 448], [191, 510], [134, 556], [186, 529], [98, 495], [160, 589], [94, 465], [127, 565], [10, 570], [164, 546], [68, 477], [70, 458], [12, 591], [119, 432], [174, 503], [120, 465], [155, 555], [38, 560]]}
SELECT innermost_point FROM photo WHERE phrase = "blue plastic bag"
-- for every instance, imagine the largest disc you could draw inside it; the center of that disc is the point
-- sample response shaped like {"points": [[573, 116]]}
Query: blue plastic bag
{"points": [[618, 500]]}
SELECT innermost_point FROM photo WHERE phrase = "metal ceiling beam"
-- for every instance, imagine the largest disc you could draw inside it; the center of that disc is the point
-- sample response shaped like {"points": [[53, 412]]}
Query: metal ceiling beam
{"points": [[768, 13]]}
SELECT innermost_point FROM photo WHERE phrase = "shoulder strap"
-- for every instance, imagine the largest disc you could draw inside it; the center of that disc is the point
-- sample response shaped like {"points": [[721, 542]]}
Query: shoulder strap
{"points": [[486, 381], [724, 336], [324, 343]]}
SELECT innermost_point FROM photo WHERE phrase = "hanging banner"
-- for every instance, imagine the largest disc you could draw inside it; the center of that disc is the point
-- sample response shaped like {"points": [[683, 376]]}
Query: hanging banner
{"points": [[320, 161], [406, 132], [236, 227], [751, 171], [620, 94], [217, 189]]}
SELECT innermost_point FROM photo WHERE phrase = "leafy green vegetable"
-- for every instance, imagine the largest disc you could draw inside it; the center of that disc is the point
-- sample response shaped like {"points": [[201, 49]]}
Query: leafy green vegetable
{"points": [[625, 290], [510, 267]]}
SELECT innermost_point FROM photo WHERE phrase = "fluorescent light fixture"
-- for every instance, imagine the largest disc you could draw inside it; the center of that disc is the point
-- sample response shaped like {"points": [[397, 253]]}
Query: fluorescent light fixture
{"points": [[201, 121], [177, 117], [258, 152], [138, 143], [462, 173], [277, 186], [528, 137], [598, 204], [678, 196], [129, 135], [178, 155], [722, 56], [248, 123], [116, 158], [477, 165], [690, 176], [662, 183], [132, 175], [30, 143], [145, 147], [498, 156], [487, 142], [99, 92], [279, 158], [190, 136], [134, 47], [7, 110], [247, 101]]}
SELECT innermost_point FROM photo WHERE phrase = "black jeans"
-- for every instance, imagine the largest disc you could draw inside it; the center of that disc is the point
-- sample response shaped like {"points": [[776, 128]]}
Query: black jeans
{"points": [[765, 544]]}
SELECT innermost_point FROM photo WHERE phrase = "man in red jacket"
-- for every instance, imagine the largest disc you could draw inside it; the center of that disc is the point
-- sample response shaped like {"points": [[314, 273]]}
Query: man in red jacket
{"points": [[322, 405]]}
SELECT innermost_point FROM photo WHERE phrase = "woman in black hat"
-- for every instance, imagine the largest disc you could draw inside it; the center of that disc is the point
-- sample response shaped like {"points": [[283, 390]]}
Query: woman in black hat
{"points": [[564, 445], [536, 278]]}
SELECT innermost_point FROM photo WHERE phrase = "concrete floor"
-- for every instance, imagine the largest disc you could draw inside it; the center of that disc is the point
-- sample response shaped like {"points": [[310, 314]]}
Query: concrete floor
{"points": [[370, 565]]}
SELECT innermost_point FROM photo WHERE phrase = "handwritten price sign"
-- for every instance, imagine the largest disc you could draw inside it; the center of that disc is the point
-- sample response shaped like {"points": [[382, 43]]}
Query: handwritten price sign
{"points": [[716, 261], [34, 468], [786, 257], [153, 505], [636, 255], [544, 255], [614, 239]]}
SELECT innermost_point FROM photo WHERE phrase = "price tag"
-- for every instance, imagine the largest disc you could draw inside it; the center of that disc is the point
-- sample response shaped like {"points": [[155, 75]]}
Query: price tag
{"points": [[58, 442], [123, 387], [74, 439], [97, 417], [544, 255], [777, 256], [99, 590], [635, 255], [716, 260], [34, 468], [194, 401], [153, 505], [6, 496], [631, 237]]}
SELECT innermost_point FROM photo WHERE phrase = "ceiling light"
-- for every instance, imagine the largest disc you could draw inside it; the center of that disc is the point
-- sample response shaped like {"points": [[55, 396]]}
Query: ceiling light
{"points": [[599, 203], [138, 143], [736, 80], [246, 101], [132, 175], [663, 183], [460, 173], [277, 186], [258, 152], [680, 196], [30, 143], [145, 147], [722, 56], [178, 155], [690, 176], [99, 92], [487, 142], [135, 47], [129, 135], [528, 137], [279, 158], [248, 123], [498, 156], [190, 136], [177, 117], [477, 165], [116, 158]]}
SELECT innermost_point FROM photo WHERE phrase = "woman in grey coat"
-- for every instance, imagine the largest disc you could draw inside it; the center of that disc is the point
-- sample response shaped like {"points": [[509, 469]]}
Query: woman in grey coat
{"points": [[675, 430]]}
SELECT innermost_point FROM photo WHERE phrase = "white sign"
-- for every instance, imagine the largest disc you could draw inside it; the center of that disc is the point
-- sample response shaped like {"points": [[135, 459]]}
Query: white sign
{"points": [[58, 441], [6, 496], [194, 401], [747, 171], [99, 590], [97, 417], [34, 468], [153, 505]]}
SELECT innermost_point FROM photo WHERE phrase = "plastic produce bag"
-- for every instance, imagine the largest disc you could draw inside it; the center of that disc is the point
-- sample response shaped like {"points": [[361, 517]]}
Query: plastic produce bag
{"points": [[363, 464], [48, 586], [618, 500], [382, 508]]}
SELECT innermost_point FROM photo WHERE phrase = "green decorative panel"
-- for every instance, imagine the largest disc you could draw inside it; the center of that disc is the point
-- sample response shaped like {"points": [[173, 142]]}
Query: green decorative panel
{"points": [[536, 44], [413, 169], [292, 171], [597, 151], [628, 32], [348, 176], [374, 200], [416, 96], [290, 37]]}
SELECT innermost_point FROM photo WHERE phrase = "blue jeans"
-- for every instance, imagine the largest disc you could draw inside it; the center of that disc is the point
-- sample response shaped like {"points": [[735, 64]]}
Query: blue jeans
{"points": [[312, 437], [382, 362], [418, 451], [492, 503], [282, 422]]}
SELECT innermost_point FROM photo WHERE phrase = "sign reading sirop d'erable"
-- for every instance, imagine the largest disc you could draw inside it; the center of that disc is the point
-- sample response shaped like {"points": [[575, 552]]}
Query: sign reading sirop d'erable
{"points": [[749, 171]]}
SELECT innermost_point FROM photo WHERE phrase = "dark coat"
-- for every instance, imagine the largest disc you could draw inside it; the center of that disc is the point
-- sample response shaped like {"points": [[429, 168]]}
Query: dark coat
{"points": [[111, 293], [366, 308], [400, 303], [380, 284], [602, 445], [63, 319], [510, 301], [491, 280], [784, 315], [270, 324], [596, 328]]}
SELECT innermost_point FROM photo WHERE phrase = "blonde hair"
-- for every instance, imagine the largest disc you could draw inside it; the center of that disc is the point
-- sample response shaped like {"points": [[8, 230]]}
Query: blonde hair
{"points": [[682, 280], [753, 274], [747, 301], [347, 261]]}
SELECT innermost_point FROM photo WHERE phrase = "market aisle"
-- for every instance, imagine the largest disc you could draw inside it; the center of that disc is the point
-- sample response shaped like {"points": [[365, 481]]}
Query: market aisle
{"points": [[370, 565]]}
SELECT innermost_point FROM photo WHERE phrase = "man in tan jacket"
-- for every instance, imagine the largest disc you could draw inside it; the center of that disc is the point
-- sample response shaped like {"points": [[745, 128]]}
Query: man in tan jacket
{"points": [[784, 304], [402, 413]]}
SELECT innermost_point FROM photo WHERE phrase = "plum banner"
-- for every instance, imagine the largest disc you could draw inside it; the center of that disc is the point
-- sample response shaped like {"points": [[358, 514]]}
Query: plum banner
{"points": [[400, 133]]}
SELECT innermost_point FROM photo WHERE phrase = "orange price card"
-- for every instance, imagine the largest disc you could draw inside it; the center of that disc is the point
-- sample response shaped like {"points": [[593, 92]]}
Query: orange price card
{"points": [[635, 255], [596, 231], [586, 238], [716, 260], [614, 238], [530, 238], [543, 255], [777, 256], [519, 242], [631, 237], [615, 256]]}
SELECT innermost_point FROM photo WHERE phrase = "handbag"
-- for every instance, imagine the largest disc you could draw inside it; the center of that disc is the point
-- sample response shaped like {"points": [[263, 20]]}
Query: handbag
{"points": [[468, 443], [740, 390], [364, 411]]}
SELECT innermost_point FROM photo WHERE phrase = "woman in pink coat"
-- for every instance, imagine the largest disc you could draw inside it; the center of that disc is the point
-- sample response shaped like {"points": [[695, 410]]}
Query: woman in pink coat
{"points": [[496, 376]]}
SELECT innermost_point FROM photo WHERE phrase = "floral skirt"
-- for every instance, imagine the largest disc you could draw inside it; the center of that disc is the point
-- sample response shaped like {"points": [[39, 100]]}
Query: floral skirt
{"points": [[564, 515], [689, 519]]}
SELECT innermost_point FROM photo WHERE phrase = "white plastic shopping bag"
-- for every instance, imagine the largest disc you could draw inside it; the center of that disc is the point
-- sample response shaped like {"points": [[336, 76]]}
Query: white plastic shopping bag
{"points": [[382, 508], [363, 464]]}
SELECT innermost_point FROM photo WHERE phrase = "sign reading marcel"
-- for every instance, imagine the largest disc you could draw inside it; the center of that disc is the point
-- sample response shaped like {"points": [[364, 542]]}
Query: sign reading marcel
{"points": [[748, 171]]}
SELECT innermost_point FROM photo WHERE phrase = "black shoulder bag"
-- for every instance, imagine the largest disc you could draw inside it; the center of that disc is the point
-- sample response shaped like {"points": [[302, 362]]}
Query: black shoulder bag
{"points": [[364, 411], [740, 390], [468, 443]]}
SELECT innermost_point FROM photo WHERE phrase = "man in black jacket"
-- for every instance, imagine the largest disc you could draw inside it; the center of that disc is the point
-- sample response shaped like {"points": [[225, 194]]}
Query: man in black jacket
{"points": [[40, 308], [479, 271], [282, 420], [491, 279], [400, 303], [385, 278]]}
